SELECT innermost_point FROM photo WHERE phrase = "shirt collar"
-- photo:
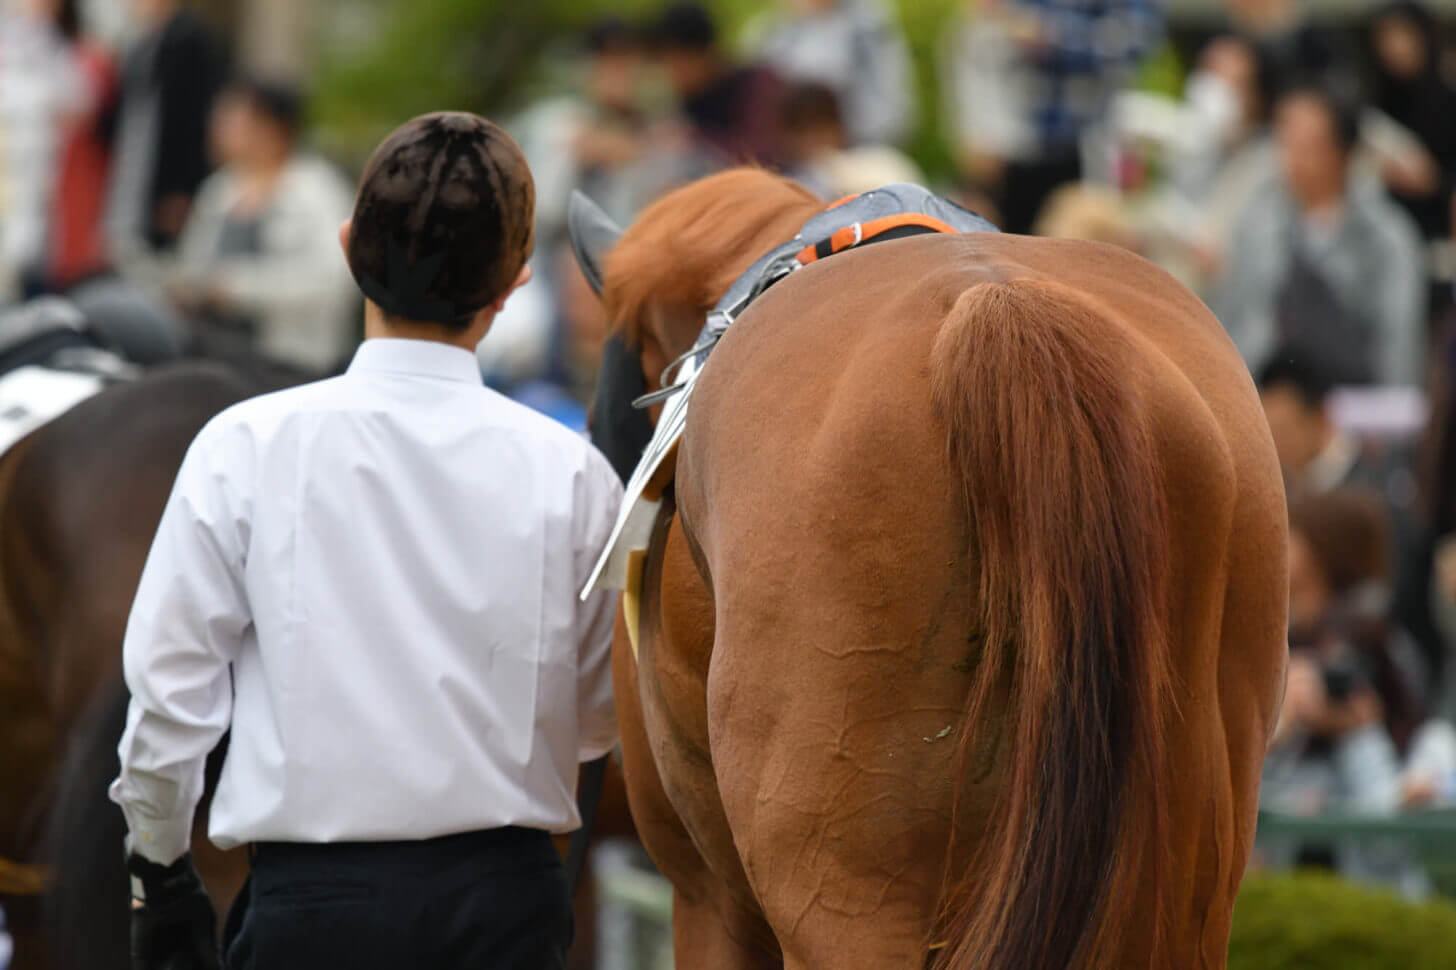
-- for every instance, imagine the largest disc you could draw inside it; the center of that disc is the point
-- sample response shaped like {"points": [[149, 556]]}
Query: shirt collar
{"points": [[418, 358]]}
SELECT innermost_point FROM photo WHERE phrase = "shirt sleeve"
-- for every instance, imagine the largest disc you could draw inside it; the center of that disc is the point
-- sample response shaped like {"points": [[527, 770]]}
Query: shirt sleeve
{"points": [[599, 494], [188, 620]]}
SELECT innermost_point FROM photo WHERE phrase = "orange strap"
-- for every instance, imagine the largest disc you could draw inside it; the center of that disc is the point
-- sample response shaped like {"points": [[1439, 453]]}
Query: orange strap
{"points": [[851, 236]]}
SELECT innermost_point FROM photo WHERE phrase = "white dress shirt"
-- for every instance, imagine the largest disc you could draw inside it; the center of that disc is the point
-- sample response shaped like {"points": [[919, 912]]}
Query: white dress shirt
{"points": [[388, 561]]}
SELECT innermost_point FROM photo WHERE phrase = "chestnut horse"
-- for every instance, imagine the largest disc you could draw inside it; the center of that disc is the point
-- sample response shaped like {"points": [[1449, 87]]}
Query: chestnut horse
{"points": [[962, 628]]}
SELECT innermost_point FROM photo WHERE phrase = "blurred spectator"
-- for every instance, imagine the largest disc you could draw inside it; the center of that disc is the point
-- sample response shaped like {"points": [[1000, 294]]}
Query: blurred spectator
{"points": [[594, 139], [1316, 454], [1428, 779], [816, 148], [1350, 662], [1352, 734], [1228, 97], [1087, 212], [36, 83], [584, 321], [732, 110], [169, 79], [1433, 600], [1354, 684], [259, 261], [1296, 49], [1338, 598], [854, 48], [1026, 79], [77, 246], [1321, 261], [1228, 100], [1409, 88]]}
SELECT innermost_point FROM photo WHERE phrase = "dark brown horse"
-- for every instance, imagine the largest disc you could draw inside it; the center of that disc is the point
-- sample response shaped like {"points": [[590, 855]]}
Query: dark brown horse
{"points": [[79, 501], [962, 630]]}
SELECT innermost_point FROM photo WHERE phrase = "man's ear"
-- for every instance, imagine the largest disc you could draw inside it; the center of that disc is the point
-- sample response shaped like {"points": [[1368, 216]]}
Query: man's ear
{"points": [[344, 232], [522, 278]]}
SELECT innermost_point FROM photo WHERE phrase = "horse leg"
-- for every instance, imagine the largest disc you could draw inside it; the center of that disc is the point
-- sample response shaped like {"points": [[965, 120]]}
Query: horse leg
{"points": [[662, 720], [709, 932], [838, 678]]}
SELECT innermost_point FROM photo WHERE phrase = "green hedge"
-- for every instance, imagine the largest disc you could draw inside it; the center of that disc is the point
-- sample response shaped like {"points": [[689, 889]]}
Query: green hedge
{"points": [[1310, 921]]}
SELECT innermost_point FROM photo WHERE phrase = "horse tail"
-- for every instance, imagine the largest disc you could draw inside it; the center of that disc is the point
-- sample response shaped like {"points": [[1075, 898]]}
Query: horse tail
{"points": [[1068, 529]]}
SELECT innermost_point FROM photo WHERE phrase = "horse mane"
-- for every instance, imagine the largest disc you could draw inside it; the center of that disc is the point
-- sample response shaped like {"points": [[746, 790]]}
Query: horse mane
{"points": [[686, 249]]}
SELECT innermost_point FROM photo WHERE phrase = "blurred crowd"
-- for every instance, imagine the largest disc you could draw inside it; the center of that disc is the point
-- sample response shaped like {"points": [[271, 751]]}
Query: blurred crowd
{"points": [[171, 197], [1300, 179]]}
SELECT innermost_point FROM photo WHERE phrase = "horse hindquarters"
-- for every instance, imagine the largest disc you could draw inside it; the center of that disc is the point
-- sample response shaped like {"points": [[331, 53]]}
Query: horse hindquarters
{"points": [[813, 483], [670, 785]]}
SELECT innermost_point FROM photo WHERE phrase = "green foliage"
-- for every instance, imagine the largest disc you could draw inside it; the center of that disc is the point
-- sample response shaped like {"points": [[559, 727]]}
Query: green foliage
{"points": [[1317, 922], [495, 56], [925, 23]]}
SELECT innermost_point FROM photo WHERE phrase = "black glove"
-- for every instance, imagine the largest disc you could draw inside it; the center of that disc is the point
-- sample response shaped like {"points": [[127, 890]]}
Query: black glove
{"points": [[173, 925]]}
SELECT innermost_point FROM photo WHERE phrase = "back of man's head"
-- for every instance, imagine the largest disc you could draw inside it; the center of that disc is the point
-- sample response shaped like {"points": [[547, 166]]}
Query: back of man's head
{"points": [[444, 220]]}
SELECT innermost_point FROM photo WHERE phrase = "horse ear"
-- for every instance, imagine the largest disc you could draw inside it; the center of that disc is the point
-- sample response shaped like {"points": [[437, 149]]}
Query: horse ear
{"points": [[593, 234]]}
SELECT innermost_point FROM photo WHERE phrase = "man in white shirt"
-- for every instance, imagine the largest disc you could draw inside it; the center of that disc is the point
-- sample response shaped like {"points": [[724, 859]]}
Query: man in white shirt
{"points": [[372, 579]]}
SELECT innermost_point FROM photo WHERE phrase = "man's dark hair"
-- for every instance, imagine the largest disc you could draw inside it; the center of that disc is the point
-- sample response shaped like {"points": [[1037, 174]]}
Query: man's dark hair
{"points": [[281, 102], [444, 220], [685, 27], [1299, 371], [809, 104], [1343, 109]]}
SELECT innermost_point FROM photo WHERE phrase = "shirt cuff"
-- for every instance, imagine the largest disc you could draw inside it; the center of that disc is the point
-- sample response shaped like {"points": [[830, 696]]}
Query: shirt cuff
{"points": [[162, 841]]}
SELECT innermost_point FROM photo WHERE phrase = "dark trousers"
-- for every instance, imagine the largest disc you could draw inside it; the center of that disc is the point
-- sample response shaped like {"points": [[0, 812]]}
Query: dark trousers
{"points": [[493, 900]]}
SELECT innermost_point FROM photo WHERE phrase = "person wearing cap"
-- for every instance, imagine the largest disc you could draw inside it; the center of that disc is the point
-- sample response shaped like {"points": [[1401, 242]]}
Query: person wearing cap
{"points": [[372, 580]]}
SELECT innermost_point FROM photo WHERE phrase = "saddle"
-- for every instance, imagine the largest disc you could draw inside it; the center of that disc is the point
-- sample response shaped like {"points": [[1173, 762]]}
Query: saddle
{"points": [[892, 212], [50, 361]]}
